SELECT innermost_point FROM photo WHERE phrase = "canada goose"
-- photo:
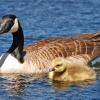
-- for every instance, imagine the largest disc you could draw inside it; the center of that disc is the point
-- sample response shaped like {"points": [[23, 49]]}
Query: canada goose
{"points": [[73, 72], [36, 58]]}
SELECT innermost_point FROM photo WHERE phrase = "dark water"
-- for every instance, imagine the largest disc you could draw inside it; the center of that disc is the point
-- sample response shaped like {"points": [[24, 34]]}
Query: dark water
{"points": [[42, 19]]}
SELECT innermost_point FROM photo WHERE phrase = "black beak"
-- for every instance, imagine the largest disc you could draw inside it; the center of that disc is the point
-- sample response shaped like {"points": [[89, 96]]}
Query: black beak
{"points": [[53, 69], [5, 26]]}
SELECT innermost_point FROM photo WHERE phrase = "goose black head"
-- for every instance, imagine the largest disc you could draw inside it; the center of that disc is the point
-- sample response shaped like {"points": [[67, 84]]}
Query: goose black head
{"points": [[9, 23]]}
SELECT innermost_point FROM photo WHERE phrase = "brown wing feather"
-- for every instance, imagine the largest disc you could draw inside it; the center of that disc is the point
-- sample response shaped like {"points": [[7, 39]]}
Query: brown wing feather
{"points": [[41, 53]]}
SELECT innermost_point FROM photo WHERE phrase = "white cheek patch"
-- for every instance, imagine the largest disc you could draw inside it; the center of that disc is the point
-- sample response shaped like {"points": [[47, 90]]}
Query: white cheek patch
{"points": [[15, 26]]}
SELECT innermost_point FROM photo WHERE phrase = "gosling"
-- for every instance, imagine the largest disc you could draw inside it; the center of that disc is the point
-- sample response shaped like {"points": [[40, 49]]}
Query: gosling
{"points": [[63, 70]]}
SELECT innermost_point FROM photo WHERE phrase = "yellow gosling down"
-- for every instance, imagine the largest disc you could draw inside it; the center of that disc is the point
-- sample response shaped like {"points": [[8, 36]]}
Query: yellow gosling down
{"points": [[63, 70]]}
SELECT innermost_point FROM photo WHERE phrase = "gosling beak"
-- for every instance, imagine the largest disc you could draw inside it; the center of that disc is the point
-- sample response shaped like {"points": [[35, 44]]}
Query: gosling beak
{"points": [[53, 69]]}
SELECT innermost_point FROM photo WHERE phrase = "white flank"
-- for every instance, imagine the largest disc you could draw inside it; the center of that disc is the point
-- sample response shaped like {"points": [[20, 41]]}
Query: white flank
{"points": [[10, 65]]}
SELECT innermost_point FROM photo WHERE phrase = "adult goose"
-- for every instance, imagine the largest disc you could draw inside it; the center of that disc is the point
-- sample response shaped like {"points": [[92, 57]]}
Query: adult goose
{"points": [[37, 57]]}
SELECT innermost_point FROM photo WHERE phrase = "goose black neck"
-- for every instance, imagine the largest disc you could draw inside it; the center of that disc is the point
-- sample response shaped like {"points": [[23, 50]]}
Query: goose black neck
{"points": [[17, 46]]}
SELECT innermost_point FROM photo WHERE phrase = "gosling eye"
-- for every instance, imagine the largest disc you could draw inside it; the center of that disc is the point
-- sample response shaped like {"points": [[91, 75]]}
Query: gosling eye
{"points": [[58, 65]]}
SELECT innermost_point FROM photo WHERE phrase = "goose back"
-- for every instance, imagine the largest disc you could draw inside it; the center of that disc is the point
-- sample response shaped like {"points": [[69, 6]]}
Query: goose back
{"points": [[40, 54]]}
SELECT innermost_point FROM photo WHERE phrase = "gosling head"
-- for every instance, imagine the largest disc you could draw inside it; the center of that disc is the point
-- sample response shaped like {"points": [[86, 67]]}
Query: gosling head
{"points": [[9, 23], [59, 64]]}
